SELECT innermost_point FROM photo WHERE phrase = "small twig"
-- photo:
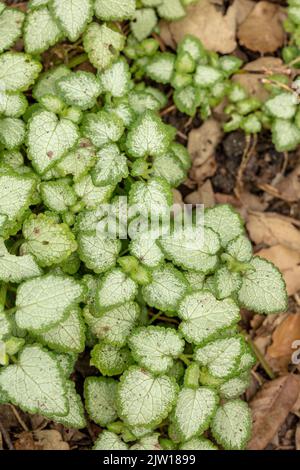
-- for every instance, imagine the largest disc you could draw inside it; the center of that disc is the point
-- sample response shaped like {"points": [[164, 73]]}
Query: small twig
{"points": [[164, 318], [161, 42], [293, 62], [184, 359], [278, 84], [155, 317], [6, 437], [188, 122], [20, 420], [182, 135], [297, 299], [285, 163], [168, 110], [245, 159], [77, 60], [257, 377]]}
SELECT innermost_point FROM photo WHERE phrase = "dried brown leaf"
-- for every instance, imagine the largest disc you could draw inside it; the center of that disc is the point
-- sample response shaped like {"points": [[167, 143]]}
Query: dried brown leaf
{"points": [[8, 419], [25, 441], [271, 229], [292, 280], [283, 338], [201, 145], [41, 440], [262, 30], [204, 140], [281, 255], [206, 21], [50, 440], [270, 408], [243, 9], [203, 195], [289, 187]]}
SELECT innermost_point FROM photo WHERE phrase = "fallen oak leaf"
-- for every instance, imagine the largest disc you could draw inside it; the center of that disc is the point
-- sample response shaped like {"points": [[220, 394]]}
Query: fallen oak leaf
{"points": [[270, 408]]}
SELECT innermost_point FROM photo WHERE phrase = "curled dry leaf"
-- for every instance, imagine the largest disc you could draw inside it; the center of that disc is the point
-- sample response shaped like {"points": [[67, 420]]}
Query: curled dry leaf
{"points": [[271, 229], [262, 30], [255, 71], [270, 408]]}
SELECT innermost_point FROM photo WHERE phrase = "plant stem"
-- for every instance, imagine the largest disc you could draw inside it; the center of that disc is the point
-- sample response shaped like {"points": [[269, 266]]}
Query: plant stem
{"points": [[155, 317], [16, 246], [260, 357], [294, 62], [184, 358], [11, 310], [77, 60], [3, 292], [124, 252]]}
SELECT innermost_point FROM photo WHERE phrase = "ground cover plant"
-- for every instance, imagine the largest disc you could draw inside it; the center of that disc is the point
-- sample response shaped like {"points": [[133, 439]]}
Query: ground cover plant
{"points": [[157, 311]]}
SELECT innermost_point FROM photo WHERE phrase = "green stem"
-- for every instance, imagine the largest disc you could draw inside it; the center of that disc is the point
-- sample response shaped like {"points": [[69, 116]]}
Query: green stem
{"points": [[155, 317], [77, 60], [184, 359], [3, 292], [11, 311], [16, 246], [260, 357], [124, 252]]}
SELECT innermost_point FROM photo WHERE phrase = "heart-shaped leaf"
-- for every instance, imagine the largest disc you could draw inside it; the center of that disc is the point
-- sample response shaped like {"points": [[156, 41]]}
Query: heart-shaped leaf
{"points": [[35, 383], [143, 399]]}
